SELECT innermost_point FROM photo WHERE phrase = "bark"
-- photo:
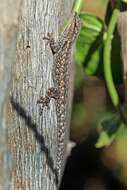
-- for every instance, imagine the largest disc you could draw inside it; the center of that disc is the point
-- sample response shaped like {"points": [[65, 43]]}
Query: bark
{"points": [[32, 138], [8, 33]]}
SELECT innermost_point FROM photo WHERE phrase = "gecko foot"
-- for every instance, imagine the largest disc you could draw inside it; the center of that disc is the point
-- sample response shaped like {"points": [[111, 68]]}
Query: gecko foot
{"points": [[44, 101]]}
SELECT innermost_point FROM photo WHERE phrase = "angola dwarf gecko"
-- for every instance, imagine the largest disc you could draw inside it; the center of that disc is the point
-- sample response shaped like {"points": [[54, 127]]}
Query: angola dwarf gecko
{"points": [[62, 50]]}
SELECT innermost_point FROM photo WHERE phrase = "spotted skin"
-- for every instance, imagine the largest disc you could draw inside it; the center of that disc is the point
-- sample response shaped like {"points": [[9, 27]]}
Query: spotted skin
{"points": [[62, 50]]}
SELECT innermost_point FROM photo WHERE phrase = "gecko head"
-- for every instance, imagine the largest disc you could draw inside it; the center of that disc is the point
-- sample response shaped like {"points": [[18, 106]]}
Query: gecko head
{"points": [[74, 26], [77, 22]]}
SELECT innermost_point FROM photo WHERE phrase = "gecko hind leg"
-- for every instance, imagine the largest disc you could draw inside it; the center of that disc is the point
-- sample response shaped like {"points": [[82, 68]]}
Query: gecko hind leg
{"points": [[44, 101]]}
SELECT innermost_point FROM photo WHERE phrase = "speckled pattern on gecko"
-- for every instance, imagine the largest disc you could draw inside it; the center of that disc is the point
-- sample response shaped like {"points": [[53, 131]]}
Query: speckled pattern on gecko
{"points": [[62, 50]]}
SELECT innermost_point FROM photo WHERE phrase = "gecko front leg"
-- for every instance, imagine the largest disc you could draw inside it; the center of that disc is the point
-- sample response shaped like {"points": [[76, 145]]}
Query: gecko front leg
{"points": [[51, 41], [44, 101], [51, 92]]}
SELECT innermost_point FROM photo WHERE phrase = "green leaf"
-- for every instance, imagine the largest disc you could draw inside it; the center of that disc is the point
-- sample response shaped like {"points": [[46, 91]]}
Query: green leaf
{"points": [[109, 128], [89, 43], [89, 48], [104, 140], [125, 1], [116, 59]]}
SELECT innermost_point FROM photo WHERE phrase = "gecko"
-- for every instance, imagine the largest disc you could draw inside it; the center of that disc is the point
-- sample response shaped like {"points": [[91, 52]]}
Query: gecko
{"points": [[61, 50]]}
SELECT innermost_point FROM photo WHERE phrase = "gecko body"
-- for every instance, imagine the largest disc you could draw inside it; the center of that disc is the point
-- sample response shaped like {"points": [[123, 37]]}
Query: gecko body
{"points": [[62, 50]]}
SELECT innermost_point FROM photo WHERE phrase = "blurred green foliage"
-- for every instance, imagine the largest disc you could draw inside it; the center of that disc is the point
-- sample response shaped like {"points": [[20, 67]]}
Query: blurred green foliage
{"points": [[90, 62], [108, 127], [89, 55], [89, 48], [89, 43]]}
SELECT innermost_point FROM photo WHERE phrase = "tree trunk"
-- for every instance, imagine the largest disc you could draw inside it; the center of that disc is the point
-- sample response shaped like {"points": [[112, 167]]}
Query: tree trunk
{"points": [[8, 36], [32, 139]]}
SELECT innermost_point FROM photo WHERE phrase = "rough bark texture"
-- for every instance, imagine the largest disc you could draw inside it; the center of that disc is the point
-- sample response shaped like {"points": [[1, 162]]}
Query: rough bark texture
{"points": [[122, 27], [9, 10], [31, 137]]}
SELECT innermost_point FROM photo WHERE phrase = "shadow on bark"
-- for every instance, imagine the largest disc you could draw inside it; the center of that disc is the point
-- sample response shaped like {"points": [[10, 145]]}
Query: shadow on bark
{"points": [[84, 166], [39, 137]]}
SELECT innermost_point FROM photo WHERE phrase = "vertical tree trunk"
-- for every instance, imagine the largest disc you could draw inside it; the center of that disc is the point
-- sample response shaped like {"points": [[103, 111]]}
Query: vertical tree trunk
{"points": [[32, 138], [8, 36]]}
